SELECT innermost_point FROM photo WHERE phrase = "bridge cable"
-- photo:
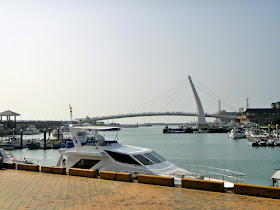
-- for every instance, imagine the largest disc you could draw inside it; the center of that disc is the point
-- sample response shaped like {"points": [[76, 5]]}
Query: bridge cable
{"points": [[213, 95], [163, 101], [183, 92], [227, 105], [166, 95], [156, 99], [174, 98]]}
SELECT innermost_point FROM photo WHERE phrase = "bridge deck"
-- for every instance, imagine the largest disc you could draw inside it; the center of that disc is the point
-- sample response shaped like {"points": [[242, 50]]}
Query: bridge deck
{"points": [[147, 114]]}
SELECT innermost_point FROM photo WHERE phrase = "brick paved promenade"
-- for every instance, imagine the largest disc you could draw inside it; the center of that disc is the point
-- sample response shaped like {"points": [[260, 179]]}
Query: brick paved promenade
{"points": [[35, 190]]}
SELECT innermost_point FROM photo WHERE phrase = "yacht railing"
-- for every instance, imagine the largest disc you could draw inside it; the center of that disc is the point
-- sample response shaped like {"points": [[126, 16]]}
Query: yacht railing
{"points": [[216, 173]]}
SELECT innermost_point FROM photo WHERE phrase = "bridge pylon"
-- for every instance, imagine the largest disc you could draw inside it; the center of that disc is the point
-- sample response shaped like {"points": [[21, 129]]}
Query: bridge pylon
{"points": [[201, 122]]}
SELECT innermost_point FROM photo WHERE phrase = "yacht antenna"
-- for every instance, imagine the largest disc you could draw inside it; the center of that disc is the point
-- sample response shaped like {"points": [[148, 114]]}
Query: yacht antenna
{"points": [[71, 116], [116, 137]]}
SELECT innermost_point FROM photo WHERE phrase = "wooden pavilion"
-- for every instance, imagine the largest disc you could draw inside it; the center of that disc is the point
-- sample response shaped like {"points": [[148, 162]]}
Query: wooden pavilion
{"points": [[8, 114]]}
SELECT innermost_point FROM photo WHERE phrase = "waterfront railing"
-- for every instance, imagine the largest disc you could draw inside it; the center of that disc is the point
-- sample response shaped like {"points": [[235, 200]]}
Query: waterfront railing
{"points": [[216, 173]]}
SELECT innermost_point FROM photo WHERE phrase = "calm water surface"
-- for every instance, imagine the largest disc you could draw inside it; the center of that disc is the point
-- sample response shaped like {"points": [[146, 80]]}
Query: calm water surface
{"points": [[215, 150]]}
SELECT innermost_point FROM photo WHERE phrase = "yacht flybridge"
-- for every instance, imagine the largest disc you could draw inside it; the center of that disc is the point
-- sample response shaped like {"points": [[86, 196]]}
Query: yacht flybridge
{"points": [[90, 150]]}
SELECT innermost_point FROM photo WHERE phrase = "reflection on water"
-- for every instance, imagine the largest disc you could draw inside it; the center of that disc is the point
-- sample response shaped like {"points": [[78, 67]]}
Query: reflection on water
{"points": [[216, 150]]}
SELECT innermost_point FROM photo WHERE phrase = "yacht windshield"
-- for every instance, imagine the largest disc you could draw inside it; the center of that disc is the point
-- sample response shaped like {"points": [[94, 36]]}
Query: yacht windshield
{"points": [[152, 158], [143, 159], [158, 156]]}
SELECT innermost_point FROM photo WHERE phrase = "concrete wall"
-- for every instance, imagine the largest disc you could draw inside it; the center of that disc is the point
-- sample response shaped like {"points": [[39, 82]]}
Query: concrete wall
{"points": [[255, 190], [203, 185]]}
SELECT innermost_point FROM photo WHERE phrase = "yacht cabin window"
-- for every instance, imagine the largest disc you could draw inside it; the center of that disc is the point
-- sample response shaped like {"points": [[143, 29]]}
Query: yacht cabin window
{"points": [[158, 156], [85, 163], [123, 158]]}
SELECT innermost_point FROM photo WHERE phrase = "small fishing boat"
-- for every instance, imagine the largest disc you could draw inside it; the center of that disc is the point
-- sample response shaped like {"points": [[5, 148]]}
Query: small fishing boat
{"points": [[8, 157], [11, 156], [10, 143]]}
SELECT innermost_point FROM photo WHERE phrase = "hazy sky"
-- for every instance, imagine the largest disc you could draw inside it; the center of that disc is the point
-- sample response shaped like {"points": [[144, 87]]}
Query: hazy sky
{"points": [[109, 57]]}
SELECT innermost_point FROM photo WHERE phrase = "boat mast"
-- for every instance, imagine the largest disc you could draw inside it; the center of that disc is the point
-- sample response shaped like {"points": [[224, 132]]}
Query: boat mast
{"points": [[71, 116]]}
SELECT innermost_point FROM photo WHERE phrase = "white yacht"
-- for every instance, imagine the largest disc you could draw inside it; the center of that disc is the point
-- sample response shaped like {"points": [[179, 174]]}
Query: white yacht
{"points": [[31, 130], [94, 152], [54, 135], [65, 131], [236, 133]]}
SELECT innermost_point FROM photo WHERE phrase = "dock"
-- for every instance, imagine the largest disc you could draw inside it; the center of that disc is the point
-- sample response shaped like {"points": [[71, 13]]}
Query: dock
{"points": [[36, 190]]}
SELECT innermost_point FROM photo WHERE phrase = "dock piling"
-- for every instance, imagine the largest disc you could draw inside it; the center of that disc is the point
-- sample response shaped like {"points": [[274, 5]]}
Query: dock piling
{"points": [[21, 139], [45, 139], [57, 134]]}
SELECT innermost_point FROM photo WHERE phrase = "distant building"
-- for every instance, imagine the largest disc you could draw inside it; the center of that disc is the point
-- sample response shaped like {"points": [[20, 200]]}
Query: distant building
{"points": [[224, 113], [259, 115]]}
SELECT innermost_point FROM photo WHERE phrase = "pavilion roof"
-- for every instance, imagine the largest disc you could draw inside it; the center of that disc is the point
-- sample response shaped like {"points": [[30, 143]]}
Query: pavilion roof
{"points": [[9, 113]]}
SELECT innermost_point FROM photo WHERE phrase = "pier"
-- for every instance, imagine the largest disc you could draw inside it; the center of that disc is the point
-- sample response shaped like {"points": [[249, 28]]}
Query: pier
{"points": [[37, 190], [12, 127]]}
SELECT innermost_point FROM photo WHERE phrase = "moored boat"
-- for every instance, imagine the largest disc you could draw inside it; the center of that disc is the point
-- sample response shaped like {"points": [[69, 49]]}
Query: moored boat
{"points": [[236, 133], [96, 152], [256, 133], [31, 130], [201, 131], [265, 142]]}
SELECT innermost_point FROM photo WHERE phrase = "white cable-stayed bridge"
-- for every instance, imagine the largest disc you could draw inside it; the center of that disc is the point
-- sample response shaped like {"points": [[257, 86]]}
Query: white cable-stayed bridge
{"points": [[200, 112]]}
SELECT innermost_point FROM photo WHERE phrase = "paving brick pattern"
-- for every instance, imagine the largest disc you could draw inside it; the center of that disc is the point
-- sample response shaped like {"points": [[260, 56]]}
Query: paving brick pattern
{"points": [[35, 190]]}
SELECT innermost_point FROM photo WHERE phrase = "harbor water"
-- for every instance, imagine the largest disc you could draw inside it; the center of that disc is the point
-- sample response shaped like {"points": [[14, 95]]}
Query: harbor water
{"points": [[212, 149]]}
